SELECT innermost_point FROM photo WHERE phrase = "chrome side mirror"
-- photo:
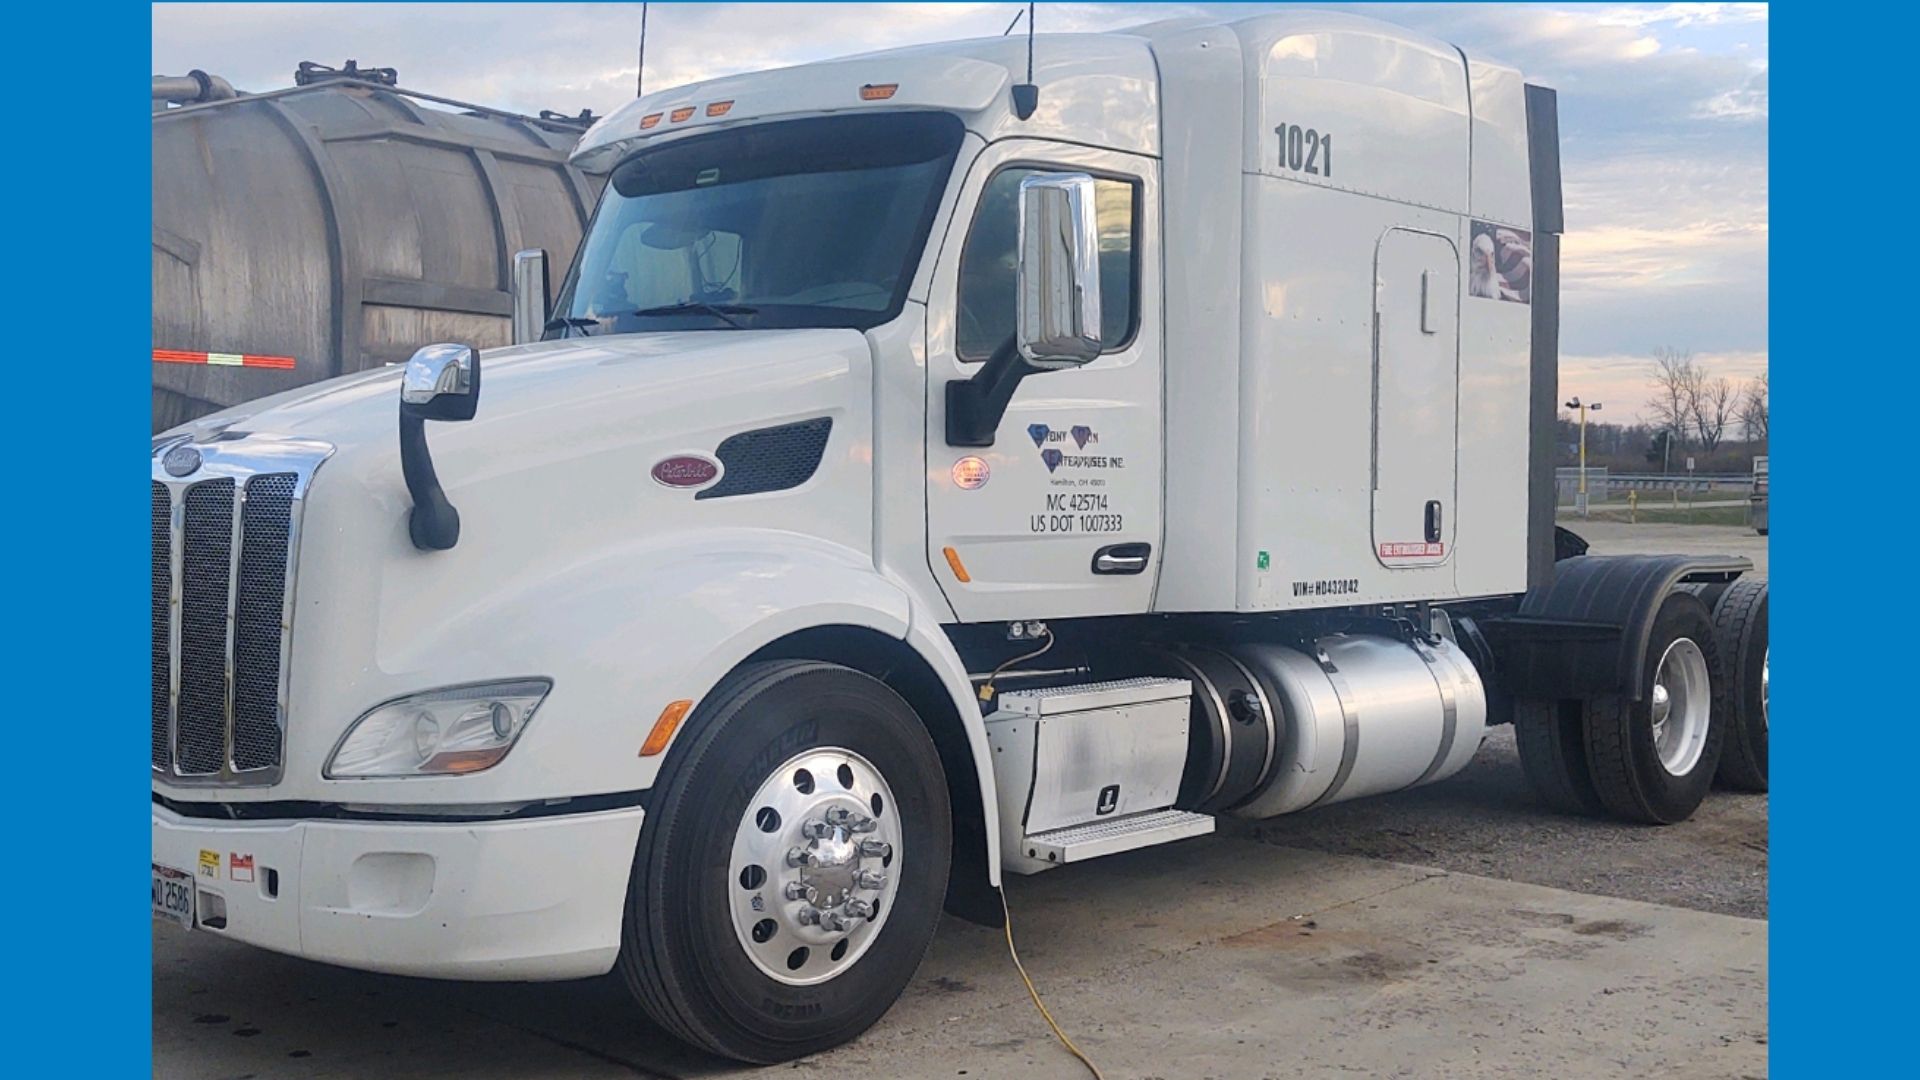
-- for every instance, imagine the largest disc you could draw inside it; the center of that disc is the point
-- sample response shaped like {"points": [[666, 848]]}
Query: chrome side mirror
{"points": [[530, 310], [441, 382], [1058, 313]]}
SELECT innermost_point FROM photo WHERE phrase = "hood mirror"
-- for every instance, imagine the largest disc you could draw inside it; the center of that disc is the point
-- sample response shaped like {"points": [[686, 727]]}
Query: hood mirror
{"points": [[441, 382]]}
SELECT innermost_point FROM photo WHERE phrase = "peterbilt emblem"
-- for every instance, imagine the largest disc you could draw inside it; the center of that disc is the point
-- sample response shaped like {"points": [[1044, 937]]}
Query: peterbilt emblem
{"points": [[686, 471], [180, 460]]}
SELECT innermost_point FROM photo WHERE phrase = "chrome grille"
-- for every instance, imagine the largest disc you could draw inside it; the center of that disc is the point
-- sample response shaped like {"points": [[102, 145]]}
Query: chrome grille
{"points": [[162, 626], [224, 541], [206, 556], [266, 520]]}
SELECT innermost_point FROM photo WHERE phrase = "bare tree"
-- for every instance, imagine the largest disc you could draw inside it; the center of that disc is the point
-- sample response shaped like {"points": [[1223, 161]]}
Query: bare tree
{"points": [[1712, 406], [1676, 382], [1753, 409]]}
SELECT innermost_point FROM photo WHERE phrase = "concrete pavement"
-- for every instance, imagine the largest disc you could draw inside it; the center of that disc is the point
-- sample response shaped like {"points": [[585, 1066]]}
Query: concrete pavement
{"points": [[1217, 957]]}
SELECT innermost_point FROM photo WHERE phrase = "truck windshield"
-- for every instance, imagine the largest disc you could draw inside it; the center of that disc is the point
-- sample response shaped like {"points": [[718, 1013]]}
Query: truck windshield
{"points": [[801, 223]]}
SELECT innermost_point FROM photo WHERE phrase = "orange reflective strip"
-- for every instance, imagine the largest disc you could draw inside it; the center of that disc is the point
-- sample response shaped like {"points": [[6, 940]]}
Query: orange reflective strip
{"points": [[663, 728], [180, 356], [680, 114], [878, 91], [959, 568]]}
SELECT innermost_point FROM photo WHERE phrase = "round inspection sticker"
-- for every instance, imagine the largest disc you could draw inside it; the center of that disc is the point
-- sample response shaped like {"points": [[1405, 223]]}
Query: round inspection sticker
{"points": [[970, 473]]}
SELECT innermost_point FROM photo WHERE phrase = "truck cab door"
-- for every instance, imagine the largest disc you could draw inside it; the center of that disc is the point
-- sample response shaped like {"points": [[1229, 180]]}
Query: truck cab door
{"points": [[1416, 397], [1061, 516]]}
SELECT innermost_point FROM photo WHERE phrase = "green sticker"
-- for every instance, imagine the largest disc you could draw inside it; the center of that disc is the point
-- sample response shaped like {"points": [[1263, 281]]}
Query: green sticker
{"points": [[1264, 561]]}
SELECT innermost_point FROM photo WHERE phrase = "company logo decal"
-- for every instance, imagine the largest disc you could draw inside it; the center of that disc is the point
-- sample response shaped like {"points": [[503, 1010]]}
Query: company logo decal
{"points": [[1081, 435], [1039, 433], [181, 460], [970, 473], [686, 471], [1052, 458]]}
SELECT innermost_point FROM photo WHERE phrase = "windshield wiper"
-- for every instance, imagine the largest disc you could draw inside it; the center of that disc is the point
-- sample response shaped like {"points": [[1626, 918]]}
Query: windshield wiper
{"points": [[570, 324], [724, 312]]}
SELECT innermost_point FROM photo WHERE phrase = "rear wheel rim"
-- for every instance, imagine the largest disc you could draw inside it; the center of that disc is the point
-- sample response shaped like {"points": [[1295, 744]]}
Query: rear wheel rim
{"points": [[815, 867], [1681, 706], [1765, 656]]}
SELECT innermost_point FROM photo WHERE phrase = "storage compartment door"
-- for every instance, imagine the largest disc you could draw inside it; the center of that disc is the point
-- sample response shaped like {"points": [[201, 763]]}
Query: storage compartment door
{"points": [[1416, 397]]}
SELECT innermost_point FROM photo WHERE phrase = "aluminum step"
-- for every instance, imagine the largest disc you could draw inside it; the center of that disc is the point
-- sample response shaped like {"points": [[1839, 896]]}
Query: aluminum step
{"points": [[1078, 843]]}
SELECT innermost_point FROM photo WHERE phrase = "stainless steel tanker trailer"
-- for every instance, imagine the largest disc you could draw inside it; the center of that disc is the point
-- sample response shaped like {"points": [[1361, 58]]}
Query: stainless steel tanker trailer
{"points": [[335, 225]]}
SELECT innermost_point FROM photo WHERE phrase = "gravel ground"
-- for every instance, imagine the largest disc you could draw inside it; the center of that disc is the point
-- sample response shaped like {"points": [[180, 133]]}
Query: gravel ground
{"points": [[1486, 821]]}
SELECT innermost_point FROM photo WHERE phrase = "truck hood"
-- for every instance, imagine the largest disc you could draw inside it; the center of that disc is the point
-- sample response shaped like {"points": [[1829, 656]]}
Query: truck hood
{"points": [[554, 483], [527, 384]]}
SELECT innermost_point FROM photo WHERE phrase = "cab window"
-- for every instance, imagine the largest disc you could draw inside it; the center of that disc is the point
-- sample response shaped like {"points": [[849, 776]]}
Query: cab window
{"points": [[989, 262]]}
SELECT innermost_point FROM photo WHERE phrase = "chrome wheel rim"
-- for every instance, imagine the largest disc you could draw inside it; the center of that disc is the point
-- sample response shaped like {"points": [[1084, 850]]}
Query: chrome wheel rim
{"points": [[816, 864], [1764, 658], [1682, 703]]}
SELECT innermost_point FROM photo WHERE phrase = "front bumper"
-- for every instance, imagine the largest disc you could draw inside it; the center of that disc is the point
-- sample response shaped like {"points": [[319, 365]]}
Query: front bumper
{"points": [[513, 900]]}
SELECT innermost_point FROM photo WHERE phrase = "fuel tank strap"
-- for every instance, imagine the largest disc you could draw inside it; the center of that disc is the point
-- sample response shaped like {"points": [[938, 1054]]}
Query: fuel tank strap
{"points": [[1350, 720], [1450, 717]]}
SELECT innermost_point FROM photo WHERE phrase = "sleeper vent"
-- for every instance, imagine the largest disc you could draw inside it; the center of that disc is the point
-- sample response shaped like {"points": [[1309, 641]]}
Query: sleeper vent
{"points": [[770, 459]]}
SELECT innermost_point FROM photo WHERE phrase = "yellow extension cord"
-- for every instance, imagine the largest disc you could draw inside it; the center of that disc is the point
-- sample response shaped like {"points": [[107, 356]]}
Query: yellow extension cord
{"points": [[1035, 994]]}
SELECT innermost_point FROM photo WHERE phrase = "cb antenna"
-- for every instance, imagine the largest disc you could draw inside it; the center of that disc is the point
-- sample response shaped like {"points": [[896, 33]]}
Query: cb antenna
{"points": [[640, 76], [1026, 96]]}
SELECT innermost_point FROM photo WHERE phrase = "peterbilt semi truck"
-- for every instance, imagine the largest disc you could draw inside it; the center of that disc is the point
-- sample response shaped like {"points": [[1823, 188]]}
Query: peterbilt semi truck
{"points": [[934, 464]]}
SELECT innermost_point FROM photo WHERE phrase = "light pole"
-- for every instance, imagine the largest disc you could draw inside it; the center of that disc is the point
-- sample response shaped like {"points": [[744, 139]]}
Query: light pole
{"points": [[1580, 501]]}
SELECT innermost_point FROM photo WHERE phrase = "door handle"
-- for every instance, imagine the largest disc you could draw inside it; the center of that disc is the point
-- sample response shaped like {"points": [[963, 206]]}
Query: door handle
{"points": [[1433, 521], [1121, 558]]}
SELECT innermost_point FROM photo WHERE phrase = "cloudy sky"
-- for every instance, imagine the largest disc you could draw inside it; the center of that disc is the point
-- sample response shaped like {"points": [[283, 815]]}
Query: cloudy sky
{"points": [[1663, 112]]}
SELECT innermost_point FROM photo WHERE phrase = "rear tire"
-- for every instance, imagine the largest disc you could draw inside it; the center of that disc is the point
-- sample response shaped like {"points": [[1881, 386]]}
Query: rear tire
{"points": [[1553, 752], [1660, 775], [1740, 684], [683, 953]]}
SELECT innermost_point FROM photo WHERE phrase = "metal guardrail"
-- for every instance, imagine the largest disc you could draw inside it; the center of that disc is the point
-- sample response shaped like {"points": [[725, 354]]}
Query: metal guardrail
{"points": [[1600, 482]]}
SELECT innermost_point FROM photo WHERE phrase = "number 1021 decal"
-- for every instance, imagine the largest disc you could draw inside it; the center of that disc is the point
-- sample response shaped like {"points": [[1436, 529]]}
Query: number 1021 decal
{"points": [[1305, 150]]}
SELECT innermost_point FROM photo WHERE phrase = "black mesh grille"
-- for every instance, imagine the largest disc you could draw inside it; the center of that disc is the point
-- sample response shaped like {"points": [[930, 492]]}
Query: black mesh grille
{"points": [[265, 530], [206, 567], [770, 459], [162, 621]]}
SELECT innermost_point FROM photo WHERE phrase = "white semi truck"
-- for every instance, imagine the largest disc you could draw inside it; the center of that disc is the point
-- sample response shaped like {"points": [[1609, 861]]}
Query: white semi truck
{"points": [[935, 463]]}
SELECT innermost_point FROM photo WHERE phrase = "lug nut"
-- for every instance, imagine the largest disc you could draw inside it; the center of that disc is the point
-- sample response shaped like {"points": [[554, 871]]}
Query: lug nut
{"points": [[798, 857], [800, 890], [808, 916], [870, 879], [833, 922], [816, 830], [841, 817], [859, 909], [875, 849]]}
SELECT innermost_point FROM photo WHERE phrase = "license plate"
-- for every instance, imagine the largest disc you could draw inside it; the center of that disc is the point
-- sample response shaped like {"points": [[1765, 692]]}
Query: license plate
{"points": [[173, 895]]}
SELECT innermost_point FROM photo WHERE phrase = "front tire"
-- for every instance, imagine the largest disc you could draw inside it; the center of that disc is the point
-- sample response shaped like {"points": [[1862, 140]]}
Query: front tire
{"points": [[792, 864], [1653, 760]]}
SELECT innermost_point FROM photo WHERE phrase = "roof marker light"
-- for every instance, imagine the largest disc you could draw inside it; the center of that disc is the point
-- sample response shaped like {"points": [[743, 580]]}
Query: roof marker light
{"points": [[650, 120], [719, 108], [878, 91], [680, 113]]}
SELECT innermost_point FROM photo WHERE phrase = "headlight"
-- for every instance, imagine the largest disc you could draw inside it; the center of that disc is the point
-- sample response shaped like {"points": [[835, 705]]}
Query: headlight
{"points": [[460, 729]]}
